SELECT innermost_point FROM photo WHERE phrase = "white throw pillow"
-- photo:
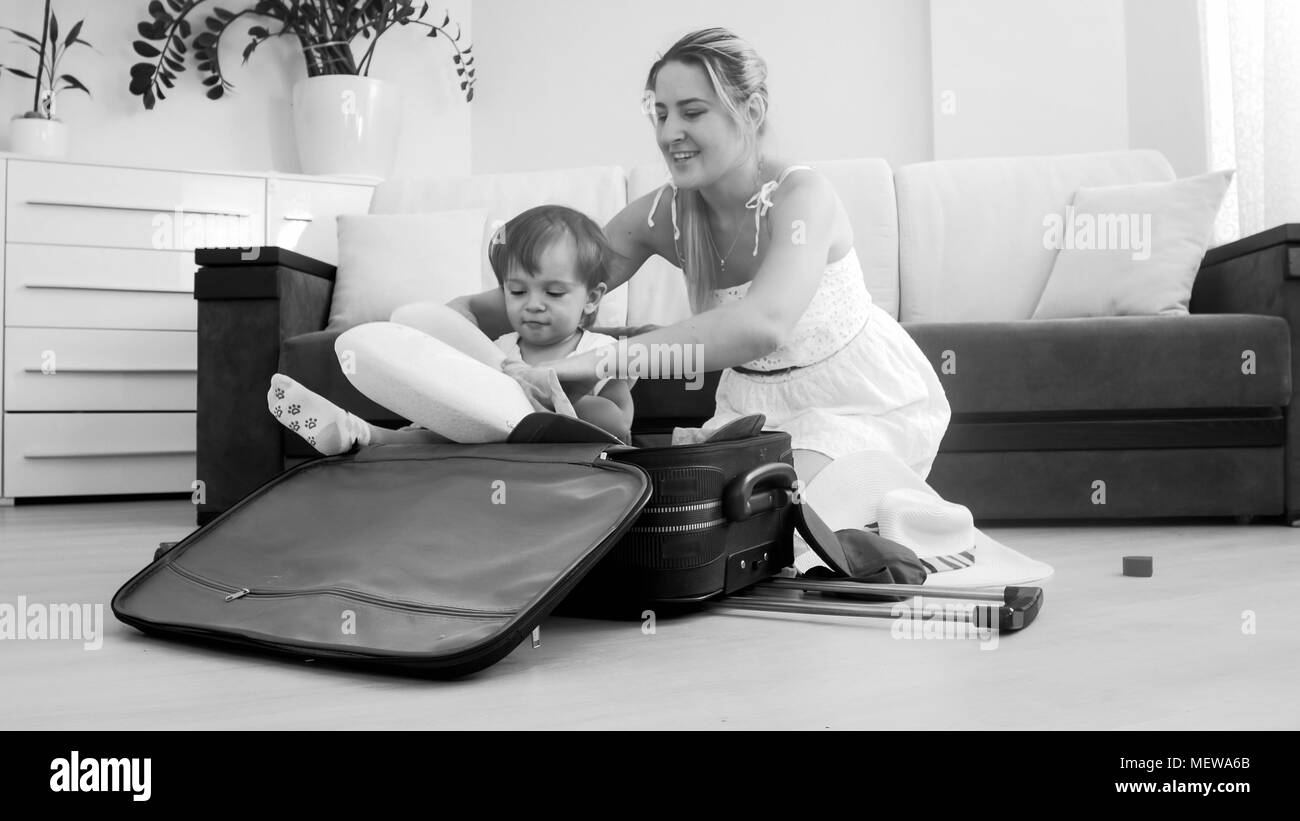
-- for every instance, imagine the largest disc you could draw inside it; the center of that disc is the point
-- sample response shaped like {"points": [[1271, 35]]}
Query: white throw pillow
{"points": [[390, 260], [1131, 250]]}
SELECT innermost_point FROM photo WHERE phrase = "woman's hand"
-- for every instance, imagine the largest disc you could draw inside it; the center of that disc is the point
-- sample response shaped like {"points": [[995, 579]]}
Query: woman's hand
{"points": [[541, 386]]}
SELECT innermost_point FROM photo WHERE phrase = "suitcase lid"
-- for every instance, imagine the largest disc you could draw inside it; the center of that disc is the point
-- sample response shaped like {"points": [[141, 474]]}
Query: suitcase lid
{"points": [[438, 558]]}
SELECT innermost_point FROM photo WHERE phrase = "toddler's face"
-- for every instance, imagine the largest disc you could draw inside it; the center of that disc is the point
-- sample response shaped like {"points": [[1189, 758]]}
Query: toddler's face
{"points": [[546, 306]]}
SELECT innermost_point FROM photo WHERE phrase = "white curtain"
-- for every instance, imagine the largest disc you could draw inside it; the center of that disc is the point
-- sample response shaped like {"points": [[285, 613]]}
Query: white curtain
{"points": [[1252, 84]]}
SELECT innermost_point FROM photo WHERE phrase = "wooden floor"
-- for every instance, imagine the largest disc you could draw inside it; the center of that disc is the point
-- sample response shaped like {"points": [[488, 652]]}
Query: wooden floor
{"points": [[1108, 651]]}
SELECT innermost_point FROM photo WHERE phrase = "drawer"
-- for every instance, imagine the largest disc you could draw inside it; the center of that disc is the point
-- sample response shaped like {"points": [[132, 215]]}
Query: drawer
{"points": [[57, 369], [70, 204], [68, 286], [74, 454], [302, 215]]}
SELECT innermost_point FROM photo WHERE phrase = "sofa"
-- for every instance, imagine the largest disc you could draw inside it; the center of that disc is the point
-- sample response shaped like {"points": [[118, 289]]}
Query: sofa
{"points": [[1103, 418]]}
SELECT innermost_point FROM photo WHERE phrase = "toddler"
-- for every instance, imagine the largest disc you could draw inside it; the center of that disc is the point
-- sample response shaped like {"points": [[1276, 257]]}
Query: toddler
{"points": [[550, 262]]}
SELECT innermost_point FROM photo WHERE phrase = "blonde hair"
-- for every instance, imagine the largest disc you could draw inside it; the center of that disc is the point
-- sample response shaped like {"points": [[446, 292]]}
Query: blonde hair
{"points": [[737, 75]]}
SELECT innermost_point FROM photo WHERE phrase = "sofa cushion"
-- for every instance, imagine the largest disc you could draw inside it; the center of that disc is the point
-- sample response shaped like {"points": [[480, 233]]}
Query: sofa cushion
{"points": [[865, 186], [599, 192], [972, 232], [1110, 363], [390, 260], [1132, 250]]}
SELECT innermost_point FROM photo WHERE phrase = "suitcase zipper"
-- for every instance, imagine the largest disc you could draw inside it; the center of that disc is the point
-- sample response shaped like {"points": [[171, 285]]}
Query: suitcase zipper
{"points": [[234, 593], [679, 528], [651, 509]]}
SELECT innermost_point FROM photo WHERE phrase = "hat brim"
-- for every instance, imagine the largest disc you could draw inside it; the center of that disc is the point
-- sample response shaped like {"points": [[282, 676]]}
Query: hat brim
{"points": [[847, 493]]}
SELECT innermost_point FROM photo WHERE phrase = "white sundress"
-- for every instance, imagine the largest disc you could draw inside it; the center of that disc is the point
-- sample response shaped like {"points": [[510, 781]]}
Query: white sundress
{"points": [[849, 378]]}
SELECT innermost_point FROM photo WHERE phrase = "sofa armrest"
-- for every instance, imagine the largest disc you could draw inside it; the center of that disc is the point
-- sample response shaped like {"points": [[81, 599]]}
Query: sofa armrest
{"points": [[250, 301], [1260, 274], [1250, 275]]}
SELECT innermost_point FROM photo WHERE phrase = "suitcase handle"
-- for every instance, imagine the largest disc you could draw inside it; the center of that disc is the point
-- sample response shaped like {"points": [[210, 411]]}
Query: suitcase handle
{"points": [[764, 488]]}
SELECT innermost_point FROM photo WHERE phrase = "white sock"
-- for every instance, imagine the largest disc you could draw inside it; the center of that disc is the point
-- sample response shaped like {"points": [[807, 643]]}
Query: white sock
{"points": [[326, 427]]}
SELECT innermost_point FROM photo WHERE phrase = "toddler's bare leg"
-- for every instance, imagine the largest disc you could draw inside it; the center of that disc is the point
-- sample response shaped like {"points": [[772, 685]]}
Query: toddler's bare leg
{"points": [[604, 414]]}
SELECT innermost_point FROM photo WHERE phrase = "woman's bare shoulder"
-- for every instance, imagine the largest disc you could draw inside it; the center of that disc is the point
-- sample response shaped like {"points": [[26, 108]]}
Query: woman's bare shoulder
{"points": [[806, 189], [807, 192], [803, 178], [633, 224]]}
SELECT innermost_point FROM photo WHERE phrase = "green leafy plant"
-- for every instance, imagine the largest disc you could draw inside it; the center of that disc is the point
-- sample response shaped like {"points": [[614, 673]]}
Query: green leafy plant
{"points": [[324, 29], [49, 51]]}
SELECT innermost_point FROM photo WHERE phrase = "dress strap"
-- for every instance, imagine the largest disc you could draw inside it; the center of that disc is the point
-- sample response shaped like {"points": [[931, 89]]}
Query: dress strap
{"points": [[760, 202], [655, 207]]}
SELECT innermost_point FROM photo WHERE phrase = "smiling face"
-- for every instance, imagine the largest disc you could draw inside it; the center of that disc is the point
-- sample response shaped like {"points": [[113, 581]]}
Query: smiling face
{"points": [[699, 138], [547, 305]]}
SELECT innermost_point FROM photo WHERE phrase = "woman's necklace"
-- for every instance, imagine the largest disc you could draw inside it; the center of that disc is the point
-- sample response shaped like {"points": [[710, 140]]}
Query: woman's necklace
{"points": [[722, 259]]}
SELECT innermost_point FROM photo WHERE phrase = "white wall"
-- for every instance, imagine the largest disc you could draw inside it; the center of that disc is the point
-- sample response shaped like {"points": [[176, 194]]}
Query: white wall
{"points": [[1016, 77], [1166, 97], [249, 129], [561, 81]]}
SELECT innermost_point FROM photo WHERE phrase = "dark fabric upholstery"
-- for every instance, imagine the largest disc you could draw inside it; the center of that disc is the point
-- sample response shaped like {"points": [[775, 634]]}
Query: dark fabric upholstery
{"points": [[310, 360], [666, 403], [1158, 408], [1138, 483], [1109, 363], [1265, 282], [238, 442], [1264, 428]]}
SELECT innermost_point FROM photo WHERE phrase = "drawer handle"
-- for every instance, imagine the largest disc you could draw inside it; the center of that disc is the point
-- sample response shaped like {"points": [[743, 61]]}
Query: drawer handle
{"points": [[104, 206], [74, 287], [288, 218], [102, 454], [62, 369]]}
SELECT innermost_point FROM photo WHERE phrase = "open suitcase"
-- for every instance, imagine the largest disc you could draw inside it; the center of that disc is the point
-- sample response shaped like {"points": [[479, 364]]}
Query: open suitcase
{"points": [[440, 559]]}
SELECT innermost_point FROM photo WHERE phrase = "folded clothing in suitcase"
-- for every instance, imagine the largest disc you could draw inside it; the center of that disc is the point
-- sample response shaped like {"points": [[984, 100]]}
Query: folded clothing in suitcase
{"points": [[441, 558]]}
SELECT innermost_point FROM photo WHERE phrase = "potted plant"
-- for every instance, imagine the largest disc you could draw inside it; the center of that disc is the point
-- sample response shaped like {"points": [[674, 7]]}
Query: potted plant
{"points": [[40, 131], [345, 121]]}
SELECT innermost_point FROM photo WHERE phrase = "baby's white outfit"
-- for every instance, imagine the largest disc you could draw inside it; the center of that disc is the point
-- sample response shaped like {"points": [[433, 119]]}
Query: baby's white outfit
{"points": [[509, 344]]}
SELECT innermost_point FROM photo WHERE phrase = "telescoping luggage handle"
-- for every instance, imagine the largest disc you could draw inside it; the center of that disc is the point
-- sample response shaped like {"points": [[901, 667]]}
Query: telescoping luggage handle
{"points": [[774, 485]]}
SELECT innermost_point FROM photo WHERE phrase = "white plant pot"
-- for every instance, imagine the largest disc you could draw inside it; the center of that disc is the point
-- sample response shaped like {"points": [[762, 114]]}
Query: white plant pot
{"points": [[347, 125], [38, 136]]}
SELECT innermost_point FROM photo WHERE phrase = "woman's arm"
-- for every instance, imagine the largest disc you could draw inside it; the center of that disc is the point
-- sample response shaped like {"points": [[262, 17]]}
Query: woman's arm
{"points": [[734, 333]]}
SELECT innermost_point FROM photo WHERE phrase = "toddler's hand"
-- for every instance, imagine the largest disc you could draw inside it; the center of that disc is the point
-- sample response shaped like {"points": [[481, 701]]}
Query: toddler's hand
{"points": [[541, 386]]}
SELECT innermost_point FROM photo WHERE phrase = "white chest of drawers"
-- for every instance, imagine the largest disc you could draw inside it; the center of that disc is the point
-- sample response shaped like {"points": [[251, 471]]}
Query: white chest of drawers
{"points": [[98, 343]]}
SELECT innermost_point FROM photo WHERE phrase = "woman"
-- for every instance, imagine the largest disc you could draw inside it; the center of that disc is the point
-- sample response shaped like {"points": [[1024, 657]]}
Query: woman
{"points": [[776, 286]]}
